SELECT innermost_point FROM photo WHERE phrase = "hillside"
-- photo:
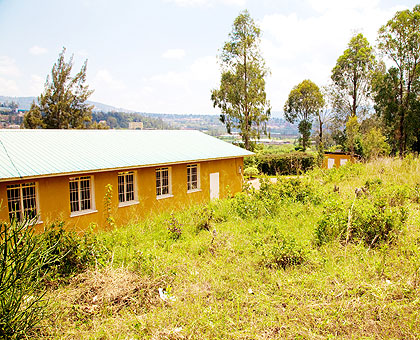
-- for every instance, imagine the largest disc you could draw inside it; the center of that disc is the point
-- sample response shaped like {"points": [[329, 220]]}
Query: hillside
{"points": [[118, 118], [305, 258]]}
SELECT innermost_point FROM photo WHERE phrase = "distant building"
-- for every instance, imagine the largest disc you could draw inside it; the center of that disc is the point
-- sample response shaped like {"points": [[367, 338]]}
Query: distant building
{"points": [[336, 159], [135, 125]]}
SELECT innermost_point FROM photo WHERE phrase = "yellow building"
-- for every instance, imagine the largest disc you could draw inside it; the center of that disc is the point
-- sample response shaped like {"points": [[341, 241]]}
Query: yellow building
{"points": [[336, 159], [67, 174]]}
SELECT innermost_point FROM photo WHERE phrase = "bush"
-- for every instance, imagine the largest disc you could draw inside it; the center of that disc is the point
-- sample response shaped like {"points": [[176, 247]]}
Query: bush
{"points": [[251, 172], [368, 219], [292, 163], [73, 253], [23, 259], [279, 251]]}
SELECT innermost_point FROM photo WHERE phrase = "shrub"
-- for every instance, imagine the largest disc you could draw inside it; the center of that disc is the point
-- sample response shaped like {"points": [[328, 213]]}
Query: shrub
{"points": [[73, 253], [23, 259], [368, 219], [251, 172], [279, 251], [293, 163], [203, 218]]}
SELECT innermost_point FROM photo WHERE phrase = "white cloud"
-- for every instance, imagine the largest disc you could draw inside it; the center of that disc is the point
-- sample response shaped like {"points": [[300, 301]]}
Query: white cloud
{"points": [[104, 80], [36, 84], [8, 67], [307, 47], [341, 5], [207, 3], [8, 87], [177, 53], [37, 50]]}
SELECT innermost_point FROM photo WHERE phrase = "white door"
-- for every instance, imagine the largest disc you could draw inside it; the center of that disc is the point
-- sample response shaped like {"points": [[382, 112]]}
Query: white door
{"points": [[214, 185], [330, 162]]}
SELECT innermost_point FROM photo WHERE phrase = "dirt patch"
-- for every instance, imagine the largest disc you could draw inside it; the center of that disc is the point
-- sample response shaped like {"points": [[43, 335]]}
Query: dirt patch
{"points": [[112, 289]]}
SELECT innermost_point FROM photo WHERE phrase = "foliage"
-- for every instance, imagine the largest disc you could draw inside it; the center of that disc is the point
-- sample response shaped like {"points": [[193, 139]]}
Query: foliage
{"points": [[374, 144], [241, 96], [397, 90], [63, 103], [121, 120], [351, 78], [280, 252], [203, 218], [251, 171], [304, 101], [23, 259], [174, 228], [369, 219], [109, 218], [292, 163], [352, 133], [72, 253]]}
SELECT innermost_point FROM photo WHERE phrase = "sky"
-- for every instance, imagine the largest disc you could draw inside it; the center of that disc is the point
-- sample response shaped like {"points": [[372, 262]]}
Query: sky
{"points": [[160, 56]]}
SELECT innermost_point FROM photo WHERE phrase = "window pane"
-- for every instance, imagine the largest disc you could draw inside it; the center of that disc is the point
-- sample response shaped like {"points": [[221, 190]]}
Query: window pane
{"points": [[121, 196], [13, 201], [74, 195], [29, 199], [129, 193]]}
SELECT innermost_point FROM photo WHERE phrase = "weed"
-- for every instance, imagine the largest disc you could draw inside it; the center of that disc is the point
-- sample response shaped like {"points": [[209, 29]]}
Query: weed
{"points": [[174, 228]]}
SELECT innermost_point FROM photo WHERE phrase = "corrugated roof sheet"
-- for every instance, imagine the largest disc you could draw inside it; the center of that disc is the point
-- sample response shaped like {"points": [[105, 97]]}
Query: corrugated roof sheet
{"points": [[30, 153]]}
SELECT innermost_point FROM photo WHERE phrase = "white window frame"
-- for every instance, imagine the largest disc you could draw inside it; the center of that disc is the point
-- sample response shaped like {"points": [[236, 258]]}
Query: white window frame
{"points": [[135, 197], [92, 208], [161, 170], [189, 182], [20, 186]]}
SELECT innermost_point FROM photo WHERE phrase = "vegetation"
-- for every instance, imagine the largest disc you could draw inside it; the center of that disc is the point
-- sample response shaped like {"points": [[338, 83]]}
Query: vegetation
{"points": [[304, 102], [397, 90], [63, 103], [351, 78], [241, 96], [121, 120], [22, 258], [331, 254]]}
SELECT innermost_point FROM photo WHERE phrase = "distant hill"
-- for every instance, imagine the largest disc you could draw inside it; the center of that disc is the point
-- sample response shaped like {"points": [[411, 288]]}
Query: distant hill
{"points": [[24, 103]]}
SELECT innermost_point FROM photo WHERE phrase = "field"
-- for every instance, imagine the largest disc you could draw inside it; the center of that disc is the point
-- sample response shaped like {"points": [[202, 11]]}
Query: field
{"points": [[329, 255]]}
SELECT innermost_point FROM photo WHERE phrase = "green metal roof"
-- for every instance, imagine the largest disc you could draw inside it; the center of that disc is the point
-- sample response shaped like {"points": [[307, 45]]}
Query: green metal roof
{"points": [[32, 153]]}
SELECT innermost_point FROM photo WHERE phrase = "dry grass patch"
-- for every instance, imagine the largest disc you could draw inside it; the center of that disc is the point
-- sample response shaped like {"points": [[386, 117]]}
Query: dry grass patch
{"points": [[113, 289]]}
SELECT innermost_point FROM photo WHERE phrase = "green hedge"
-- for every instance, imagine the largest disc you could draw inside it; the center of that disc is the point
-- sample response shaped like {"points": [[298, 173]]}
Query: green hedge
{"points": [[292, 163]]}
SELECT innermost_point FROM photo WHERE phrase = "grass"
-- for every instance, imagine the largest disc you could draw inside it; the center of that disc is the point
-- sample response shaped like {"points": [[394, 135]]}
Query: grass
{"points": [[221, 269]]}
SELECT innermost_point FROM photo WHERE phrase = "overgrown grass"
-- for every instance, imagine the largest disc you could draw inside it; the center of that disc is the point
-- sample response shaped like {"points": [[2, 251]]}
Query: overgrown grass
{"points": [[252, 267]]}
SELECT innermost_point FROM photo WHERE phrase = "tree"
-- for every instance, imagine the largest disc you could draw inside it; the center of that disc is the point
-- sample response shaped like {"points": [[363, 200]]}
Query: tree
{"points": [[397, 90], [63, 103], [351, 78], [241, 96], [304, 101]]}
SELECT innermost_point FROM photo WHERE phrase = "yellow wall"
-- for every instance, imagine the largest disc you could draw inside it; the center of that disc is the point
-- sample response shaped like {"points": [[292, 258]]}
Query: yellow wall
{"points": [[54, 197], [336, 158]]}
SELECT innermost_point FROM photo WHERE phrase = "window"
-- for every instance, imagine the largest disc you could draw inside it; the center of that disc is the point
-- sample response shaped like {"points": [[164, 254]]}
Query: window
{"points": [[193, 177], [21, 200], [81, 194], [163, 182], [126, 184]]}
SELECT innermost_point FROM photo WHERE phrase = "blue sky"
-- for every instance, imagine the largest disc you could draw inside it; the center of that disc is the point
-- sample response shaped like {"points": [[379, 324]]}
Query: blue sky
{"points": [[161, 55]]}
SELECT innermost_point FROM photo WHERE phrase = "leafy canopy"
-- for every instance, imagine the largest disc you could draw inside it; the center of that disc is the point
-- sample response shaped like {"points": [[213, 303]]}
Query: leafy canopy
{"points": [[397, 90], [241, 96], [351, 78], [63, 103], [304, 102]]}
